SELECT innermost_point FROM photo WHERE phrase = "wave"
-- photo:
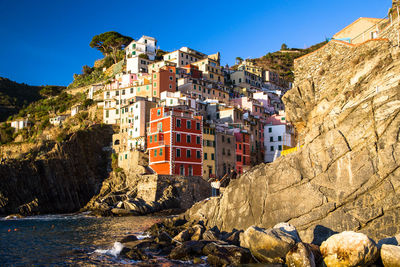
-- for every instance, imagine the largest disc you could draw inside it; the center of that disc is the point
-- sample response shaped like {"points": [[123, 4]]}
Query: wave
{"points": [[114, 251]]}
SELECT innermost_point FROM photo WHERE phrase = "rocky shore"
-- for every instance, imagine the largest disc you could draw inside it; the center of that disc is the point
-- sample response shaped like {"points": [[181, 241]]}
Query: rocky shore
{"points": [[191, 242]]}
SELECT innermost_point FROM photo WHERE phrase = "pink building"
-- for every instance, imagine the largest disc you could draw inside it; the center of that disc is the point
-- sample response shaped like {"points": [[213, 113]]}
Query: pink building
{"points": [[255, 107]]}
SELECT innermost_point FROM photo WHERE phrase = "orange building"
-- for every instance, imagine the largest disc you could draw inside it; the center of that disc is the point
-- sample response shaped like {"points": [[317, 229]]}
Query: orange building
{"points": [[164, 80], [175, 142]]}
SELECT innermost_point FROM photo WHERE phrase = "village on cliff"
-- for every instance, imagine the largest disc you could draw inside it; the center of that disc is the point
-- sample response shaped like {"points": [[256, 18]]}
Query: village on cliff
{"points": [[195, 117]]}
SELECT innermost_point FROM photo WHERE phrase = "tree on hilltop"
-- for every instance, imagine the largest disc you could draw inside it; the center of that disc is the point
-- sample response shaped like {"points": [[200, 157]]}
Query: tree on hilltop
{"points": [[109, 43], [239, 60], [284, 47]]}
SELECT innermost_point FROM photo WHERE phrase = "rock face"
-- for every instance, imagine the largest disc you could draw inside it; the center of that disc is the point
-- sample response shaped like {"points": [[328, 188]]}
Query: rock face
{"points": [[349, 249], [62, 181], [345, 105]]}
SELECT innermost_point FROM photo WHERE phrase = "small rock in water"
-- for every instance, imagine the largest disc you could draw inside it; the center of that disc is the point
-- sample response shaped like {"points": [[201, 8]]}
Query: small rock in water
{"points": [[129, 238], [349, 249]]}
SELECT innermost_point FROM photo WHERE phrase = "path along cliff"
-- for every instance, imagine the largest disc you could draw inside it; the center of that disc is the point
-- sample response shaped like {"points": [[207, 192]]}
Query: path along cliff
{"points": [[345, 105]]}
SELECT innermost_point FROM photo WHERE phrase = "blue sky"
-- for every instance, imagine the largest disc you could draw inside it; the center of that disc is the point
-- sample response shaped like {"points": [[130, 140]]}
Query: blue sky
{"points": [[46, 42]]}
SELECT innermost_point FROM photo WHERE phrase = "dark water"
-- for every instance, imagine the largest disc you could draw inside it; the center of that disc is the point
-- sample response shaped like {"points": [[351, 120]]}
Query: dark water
{"points": [[56, 240]]}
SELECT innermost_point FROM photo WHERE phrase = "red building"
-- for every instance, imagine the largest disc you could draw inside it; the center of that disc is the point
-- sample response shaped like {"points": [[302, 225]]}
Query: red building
{"points": [[175, 141], [243, 161], [164, 80]]}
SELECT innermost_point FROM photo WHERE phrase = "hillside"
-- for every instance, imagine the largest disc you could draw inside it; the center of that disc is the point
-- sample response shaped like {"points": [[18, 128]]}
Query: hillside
{"points": [[282, 61], [14, 96]]}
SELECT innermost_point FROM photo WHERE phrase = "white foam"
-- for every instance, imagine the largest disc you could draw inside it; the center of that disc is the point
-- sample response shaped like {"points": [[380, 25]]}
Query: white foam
{"points": [[116, 249], [142, 236]]}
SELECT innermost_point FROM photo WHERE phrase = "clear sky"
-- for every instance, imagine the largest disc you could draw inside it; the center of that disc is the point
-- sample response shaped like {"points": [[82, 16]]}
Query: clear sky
{"points": [[46, 42]]}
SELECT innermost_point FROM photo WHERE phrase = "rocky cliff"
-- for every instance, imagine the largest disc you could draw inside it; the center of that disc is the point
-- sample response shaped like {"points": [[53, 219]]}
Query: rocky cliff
{"points": [[61, 180], [345, 104]]}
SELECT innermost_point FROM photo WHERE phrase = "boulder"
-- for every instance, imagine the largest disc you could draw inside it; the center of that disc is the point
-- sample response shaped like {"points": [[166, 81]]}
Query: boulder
{"points": [[220, 254], [233, 237], [187, 250], [390, 255], [183, 236], [349, 249], [136, 254], [198, 232], [300, 255], [289, 229], [210, 235], [163, 238], [129, 238], [268, 246]]}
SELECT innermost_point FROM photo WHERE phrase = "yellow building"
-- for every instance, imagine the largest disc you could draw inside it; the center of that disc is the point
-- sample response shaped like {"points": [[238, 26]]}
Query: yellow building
{"points": [[211, 69], [208, 152], [251, 67]]}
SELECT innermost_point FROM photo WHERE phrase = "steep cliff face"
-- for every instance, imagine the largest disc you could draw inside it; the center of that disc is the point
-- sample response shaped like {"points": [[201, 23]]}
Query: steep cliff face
{"points": [[62, 180], [345, 104]]}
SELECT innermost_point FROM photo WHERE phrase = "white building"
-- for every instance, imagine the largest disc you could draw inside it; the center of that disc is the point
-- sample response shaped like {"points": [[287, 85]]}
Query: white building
{"points": [[75, 110], [93, 89], [20, 124], [177, 98], [278, 135], [57, 120], [145, 45]]}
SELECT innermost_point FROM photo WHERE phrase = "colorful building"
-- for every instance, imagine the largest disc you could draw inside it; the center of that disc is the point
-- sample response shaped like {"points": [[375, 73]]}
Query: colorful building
{"points": [[208, 152], [225, 144], [278, 135], [175, 142], [243, 161]]}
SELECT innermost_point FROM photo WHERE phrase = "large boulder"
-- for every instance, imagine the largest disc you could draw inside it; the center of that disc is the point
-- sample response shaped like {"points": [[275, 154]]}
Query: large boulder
{"points": [[390, 255], [268, 246], [349, 249]]}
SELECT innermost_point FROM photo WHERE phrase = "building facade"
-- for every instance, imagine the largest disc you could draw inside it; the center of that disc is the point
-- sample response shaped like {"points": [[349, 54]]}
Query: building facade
{"points": [[175, 142]]}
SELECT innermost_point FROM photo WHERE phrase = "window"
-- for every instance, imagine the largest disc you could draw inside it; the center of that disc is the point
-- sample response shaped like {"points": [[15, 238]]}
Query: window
{"points": [[283, 118], [188, 124], [178, 123], [271, 139], [229, 140], [188, 139], [123, 92], [154, 92], [223, 139], [159, 126], [155, 76], [190, 171], [229, 152], [238, 158], [181, 170], [126, 156], [170, 86], [198, 140], [198, 154], [158, 112], [107, 113], [117, 93], [155, 152], [240, 146], [178, 153], [197, 125], [223, 151], [280, 148], [188, 153], [272, 148], [160, 151], [178, 138], [212, 156], [131, 90], [151, 139], [155, 138], [205, 155], [170, 78], [270, 130], [155, 84], [279, 138]]}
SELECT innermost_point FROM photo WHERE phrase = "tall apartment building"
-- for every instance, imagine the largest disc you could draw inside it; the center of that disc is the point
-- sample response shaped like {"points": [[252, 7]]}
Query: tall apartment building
{"points": [[208, 152], [211, 69], [135, 63], [184, 56], [225, 143], [243, 161], [175, 142]]}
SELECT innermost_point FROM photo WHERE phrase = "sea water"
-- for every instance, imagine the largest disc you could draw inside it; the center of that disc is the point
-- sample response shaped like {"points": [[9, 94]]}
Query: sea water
{"points": [[64, 240]]}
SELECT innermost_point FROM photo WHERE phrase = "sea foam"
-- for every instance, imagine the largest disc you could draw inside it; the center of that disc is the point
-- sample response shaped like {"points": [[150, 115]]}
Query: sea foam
{"points": [[114, 251]]}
